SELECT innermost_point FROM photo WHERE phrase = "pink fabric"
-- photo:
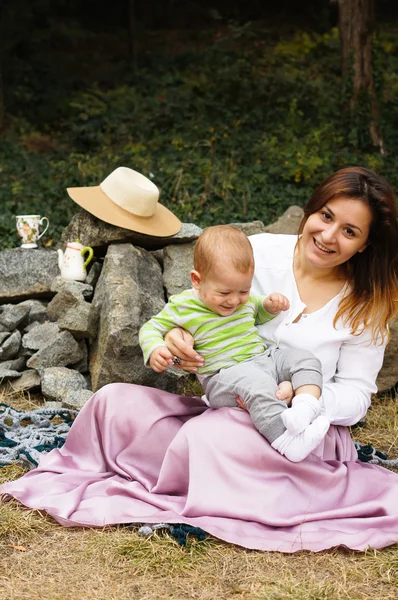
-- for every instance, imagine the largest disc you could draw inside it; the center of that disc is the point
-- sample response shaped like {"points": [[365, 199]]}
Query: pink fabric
{"points": [[135, 455]]}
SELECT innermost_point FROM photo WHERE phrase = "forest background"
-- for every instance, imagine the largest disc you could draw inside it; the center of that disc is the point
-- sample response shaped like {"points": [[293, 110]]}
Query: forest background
{"points": [[236, 110]]}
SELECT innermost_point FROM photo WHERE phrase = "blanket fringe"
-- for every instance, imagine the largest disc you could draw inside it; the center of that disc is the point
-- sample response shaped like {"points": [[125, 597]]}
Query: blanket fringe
{"points": [[179, 532], [366, 453]]}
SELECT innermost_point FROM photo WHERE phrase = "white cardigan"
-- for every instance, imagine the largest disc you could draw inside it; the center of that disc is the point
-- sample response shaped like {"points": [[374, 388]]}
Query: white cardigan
{"points": [[350, 364]]}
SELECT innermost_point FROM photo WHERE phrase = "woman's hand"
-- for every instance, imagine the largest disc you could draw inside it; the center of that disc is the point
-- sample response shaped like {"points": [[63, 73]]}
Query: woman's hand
{"points": [[180, 343]]}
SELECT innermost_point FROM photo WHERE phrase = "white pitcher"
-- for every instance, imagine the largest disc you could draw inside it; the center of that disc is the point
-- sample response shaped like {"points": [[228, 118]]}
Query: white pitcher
{"points": [[72, 263]]}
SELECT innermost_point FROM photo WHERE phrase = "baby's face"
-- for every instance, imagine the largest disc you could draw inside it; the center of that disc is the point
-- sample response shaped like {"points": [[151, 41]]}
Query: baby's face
{"points": [[224, 290]]}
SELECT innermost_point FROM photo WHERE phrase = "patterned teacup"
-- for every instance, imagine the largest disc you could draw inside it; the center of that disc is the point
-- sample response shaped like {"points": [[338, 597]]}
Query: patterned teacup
{"points": [[28, 229]]}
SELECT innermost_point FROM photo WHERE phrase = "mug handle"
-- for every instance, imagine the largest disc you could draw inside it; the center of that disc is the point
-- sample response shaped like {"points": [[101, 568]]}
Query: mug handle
{"points": [[90, 255], [48, 223]]}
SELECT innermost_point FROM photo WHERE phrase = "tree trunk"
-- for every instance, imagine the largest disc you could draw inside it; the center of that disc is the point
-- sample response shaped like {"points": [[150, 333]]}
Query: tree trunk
{"points": [[356, 23]]}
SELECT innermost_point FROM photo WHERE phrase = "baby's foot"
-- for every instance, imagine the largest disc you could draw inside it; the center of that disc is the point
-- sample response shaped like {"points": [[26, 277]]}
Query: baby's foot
{"points": [[305, 408], [297, 447]]}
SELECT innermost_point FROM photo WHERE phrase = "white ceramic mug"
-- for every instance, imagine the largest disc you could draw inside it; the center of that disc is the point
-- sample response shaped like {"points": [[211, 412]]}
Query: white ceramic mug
{"points": [[28, 229]]}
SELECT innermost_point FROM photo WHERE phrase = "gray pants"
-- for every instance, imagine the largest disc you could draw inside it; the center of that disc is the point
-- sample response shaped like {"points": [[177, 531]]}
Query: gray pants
{"points": [[256, 382]]}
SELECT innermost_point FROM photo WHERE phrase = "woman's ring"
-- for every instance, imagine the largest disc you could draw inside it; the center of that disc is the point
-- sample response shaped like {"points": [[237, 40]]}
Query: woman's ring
{"points": [[176, 360]]}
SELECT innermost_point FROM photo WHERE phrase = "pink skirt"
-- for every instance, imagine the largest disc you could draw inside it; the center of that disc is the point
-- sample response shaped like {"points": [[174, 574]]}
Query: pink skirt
{"points": [[140, 455]]}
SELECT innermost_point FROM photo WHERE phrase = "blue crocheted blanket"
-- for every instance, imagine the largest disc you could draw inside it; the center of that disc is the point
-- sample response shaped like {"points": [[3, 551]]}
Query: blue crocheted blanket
{"points": [[25, 435]]}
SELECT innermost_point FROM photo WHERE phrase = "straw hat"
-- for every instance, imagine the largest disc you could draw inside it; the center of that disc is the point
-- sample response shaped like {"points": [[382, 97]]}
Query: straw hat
{"points": [[128, 199]]}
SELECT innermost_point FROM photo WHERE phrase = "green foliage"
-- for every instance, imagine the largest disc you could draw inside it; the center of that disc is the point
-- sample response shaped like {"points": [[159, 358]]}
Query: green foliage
{"points": [[237, 131]]}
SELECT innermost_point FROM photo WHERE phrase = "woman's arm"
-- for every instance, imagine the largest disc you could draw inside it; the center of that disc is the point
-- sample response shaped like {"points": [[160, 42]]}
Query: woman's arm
{"points": [[347, 397]]}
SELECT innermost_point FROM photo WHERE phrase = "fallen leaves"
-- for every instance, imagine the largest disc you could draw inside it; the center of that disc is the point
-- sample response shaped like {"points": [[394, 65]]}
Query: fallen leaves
{"points": [[20, 548]]}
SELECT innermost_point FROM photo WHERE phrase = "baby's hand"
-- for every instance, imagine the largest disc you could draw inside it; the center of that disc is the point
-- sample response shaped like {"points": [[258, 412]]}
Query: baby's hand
{"points": [[160, 359], [275, 302], [285, 392]]}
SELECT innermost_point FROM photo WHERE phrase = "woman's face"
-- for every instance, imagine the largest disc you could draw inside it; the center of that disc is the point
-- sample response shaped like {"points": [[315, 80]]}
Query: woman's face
{"points": [[336, 232]]}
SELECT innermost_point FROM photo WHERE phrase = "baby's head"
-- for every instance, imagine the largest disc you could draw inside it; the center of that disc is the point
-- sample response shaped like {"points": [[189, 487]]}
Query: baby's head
{"points": [[223, 268]]}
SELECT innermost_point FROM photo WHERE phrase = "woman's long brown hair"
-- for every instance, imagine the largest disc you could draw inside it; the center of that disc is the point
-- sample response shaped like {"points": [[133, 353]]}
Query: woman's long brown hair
{"points": [[372, 298]]}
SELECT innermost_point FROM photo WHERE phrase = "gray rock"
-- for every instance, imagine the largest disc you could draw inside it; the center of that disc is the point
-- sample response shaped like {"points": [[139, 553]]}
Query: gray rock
{"points": [[12, 368], [99, 235], [80, 320], [77, 288], [159, 255], [188, 233], [128, 293], [388, 376], [10, 347], [76, 399], [74, 314], [28, 380], [250, 228], [288, 223], [178, 263], [37, 312], [82, 364], [93, 274], [26, 274], [26, 353], [7, 373], [4, 335], [30, 327], [57, 381], [18, 364], [40, 336], [62, 302], [61, 351], [87, 377], [11, 315], [52, 405]]}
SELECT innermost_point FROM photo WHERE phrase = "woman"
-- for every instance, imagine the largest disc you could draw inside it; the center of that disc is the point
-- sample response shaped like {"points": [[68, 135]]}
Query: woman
{"points": [[135, 454]]}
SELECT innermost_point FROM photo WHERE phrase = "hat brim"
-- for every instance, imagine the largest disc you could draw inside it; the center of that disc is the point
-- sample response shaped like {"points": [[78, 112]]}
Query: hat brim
{"points": [[161, 224]]}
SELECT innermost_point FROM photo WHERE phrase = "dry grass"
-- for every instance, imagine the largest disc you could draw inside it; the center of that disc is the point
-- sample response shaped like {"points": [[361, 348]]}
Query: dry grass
{"points": [[39, 560], [20, 400]]}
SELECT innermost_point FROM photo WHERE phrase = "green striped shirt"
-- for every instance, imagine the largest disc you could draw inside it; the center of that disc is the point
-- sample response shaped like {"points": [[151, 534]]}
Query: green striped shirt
{"points": [[221, 341]]}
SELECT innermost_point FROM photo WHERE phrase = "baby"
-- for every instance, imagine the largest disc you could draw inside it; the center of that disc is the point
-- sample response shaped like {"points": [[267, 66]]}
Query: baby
{"points": [[221, 315]]}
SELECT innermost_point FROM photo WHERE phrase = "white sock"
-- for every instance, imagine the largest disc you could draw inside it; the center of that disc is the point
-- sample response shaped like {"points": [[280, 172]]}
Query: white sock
{"points": [[298, 447], [305, 408]]}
